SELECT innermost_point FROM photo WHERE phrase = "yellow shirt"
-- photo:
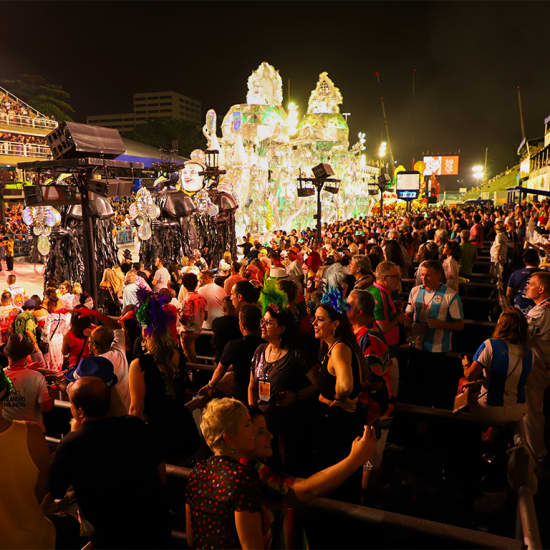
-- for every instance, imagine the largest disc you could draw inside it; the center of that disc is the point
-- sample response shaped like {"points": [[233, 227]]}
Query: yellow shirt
{"points": [[23, 525]]}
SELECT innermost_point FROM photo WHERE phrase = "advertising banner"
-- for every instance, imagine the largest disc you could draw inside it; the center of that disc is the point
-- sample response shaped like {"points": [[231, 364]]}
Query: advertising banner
{"points": [[443, 165]]}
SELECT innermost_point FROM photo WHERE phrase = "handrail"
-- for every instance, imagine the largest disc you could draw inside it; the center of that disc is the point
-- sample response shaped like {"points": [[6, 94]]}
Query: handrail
{"points": [[24, 149], [28, 121], [374, 515]]}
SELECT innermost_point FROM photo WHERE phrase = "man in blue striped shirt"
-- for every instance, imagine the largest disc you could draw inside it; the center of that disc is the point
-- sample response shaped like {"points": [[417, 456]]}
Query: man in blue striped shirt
{"points": [[434, 311]]}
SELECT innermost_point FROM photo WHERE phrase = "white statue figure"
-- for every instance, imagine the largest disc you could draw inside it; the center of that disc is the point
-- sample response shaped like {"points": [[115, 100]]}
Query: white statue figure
{"points": [[265, 86], [325, 98], [209, 131]]}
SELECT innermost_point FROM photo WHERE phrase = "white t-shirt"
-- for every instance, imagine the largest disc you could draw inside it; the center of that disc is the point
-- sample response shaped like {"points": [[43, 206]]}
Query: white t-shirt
{"points": [[161, 279], [499, 248], [117, 356], [29, 392], [214, 295]]}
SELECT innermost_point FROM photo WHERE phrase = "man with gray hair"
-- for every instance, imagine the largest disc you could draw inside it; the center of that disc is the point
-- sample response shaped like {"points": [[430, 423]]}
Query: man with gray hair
{"points": [[360, 267], [538, 320], [386, 316]]}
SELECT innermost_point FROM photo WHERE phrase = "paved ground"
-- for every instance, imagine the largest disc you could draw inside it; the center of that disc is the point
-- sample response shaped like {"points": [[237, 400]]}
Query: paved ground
{"points": [[29, 276]]}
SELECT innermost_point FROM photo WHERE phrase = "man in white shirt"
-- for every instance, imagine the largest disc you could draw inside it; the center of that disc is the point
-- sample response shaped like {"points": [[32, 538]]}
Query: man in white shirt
{"points": [[108, 343], [162, 276], [214, 295], [129, 292]]}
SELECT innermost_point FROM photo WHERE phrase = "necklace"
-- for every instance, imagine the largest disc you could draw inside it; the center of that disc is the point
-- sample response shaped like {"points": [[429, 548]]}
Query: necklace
{"points": [[278, 354]]}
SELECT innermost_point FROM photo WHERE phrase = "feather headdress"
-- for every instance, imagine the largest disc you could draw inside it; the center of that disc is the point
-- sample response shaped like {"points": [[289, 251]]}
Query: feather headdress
{"points": [[333, 297], [151, 313], [272, 296]]}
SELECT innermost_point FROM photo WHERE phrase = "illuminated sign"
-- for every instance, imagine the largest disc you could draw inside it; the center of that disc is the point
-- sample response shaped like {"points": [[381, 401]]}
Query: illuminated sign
{"points": [[407, 185], [441, 165]]}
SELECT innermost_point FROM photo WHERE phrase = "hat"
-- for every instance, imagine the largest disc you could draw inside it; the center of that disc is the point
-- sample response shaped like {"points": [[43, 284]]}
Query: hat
{"points": [[100, 367], [127, 255], [278, 273]]}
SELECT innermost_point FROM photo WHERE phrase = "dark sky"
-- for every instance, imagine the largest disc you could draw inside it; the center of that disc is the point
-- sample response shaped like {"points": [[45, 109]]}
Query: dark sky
{"points": [[469, 56]]}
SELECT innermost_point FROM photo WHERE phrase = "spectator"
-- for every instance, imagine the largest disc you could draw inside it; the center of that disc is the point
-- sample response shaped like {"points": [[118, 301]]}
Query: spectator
{"points": [[517, 283], [214, 295], [538, 319], [30, 397], [236, 520], [499, 254], [225, 328], [124, 504], [237, 355], [161, 279], [476, 232], [193, 314], [503, 364], [8, 313], [25, 325], [243, 292], [468, 255], [55, 328], [18, 294], [75, 342], [23, 477], [435, 311], [451, 254], [157, 381], [233, 278], [360, 267]]}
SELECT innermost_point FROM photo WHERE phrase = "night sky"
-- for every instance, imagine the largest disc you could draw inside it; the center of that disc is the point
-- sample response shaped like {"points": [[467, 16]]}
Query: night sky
{"points": [[469, 57]]}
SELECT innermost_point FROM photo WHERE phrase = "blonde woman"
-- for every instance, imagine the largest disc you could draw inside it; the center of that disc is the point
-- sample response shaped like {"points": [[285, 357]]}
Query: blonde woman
{"points": [[223, 507]]}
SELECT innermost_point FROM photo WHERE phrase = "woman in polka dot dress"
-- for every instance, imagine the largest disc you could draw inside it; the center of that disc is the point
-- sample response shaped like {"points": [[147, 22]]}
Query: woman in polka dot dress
{"points": [[223, 507]]}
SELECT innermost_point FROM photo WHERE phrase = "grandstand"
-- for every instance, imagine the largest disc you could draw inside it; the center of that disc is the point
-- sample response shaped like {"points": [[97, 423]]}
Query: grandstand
{"points": [[495, 188]]}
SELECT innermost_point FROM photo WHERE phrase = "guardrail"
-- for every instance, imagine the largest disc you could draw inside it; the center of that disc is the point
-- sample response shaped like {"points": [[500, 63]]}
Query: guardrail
{"points": [[28, 122], [24, 149]]}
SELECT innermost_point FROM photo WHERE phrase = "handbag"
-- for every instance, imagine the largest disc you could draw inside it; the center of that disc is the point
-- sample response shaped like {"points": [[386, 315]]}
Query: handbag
{"points": [[44, 345]]}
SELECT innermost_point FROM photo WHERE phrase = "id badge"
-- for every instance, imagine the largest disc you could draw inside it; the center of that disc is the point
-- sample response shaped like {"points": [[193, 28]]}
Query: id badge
{"points": [[264, 389]]}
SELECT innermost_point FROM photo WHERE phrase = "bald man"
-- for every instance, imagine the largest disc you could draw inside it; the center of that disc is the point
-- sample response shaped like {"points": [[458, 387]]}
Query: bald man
{"points": [[115, 467]]}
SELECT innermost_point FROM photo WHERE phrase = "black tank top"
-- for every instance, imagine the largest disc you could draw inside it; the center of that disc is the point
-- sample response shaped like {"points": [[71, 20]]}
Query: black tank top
{"points": [[327, 382]]}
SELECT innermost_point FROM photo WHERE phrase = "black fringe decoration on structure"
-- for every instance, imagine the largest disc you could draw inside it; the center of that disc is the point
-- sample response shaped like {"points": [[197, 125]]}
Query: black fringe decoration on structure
{"points": [[170, 240], [66, 258]]}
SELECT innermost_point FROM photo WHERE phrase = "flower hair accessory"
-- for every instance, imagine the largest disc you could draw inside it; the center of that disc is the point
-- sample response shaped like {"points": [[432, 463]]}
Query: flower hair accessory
{"points": [[333, 297], [272, 296]]}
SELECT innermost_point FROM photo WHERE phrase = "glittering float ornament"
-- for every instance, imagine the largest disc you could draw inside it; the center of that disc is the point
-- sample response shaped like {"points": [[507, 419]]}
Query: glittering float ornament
{"points": [[143, 211], [42, 219]]}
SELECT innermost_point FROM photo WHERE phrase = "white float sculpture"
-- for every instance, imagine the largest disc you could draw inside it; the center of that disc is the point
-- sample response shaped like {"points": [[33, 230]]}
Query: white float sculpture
{"points": [[263, 149]]}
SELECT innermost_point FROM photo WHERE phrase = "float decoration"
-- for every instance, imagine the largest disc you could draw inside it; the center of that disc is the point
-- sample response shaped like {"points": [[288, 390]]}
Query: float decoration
{"points": [[42, 219], [143, 211]]}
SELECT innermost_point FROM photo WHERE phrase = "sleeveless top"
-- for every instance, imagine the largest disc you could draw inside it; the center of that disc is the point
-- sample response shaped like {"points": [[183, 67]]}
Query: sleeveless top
{"points": [[76, 344], [327, 381], [22, 523]]}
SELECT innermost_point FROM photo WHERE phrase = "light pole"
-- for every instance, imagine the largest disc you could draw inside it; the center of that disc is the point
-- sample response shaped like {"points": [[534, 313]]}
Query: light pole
{"points": [[321, 174], [383, 181]]}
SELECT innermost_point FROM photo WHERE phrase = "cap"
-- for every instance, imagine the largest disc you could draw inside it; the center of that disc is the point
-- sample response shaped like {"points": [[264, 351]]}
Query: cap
{"points": [[97, 366]]}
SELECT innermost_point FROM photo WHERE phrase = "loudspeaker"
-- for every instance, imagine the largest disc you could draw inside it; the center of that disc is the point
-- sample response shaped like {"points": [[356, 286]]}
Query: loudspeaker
{"points": [[111, 188], [73, 140], [323, 171], [51, 195]]}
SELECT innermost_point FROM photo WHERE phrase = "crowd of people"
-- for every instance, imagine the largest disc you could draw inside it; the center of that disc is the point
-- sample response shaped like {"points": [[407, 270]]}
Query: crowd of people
{"points": [[10, 108], [310, 340]]}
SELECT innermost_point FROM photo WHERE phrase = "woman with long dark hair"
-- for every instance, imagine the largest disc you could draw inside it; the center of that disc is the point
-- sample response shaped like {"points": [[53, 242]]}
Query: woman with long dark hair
{"points": [[339, 420], [279, 380], [157, 380], [502, 365]]}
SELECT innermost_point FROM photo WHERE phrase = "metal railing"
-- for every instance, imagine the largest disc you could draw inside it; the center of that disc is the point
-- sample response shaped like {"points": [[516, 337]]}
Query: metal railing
{"points": [[124, 236], [24, 149], [28, 121], [365, 514]]}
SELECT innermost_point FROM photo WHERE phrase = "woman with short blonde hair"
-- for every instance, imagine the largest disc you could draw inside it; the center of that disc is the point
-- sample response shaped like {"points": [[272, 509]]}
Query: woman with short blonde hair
{"points": [[226, 479]]}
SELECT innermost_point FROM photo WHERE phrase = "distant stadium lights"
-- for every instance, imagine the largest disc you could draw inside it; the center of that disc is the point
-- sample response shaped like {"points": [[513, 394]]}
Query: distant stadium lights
{"points": [[477, 171]]}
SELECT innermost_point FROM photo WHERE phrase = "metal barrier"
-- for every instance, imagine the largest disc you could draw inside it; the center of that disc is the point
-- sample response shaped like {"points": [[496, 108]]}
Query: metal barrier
{"points": [[18, 149], [374, 515], [28, 122]]}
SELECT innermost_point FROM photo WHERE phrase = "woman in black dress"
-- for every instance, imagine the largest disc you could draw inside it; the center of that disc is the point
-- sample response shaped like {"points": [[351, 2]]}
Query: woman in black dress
{"points": [[338, 420]]}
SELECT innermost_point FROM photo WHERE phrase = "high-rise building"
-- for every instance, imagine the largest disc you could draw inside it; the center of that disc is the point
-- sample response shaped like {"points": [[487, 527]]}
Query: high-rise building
{"points": [[151, 105]]}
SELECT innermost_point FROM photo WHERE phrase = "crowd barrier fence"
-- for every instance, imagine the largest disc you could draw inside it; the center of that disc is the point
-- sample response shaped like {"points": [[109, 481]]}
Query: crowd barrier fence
{"points": [[28, 121], [24, 149]]}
